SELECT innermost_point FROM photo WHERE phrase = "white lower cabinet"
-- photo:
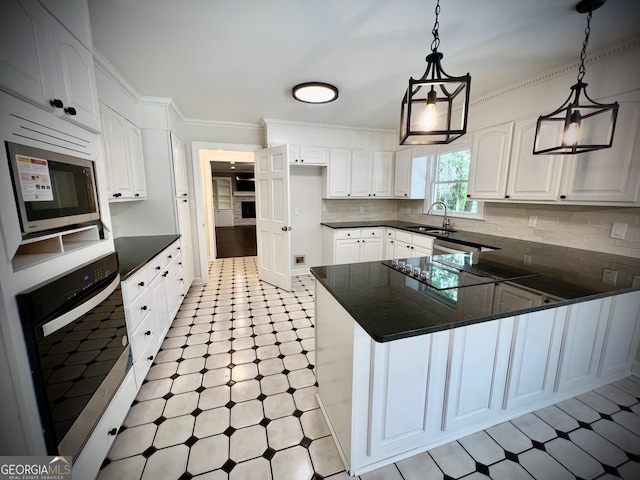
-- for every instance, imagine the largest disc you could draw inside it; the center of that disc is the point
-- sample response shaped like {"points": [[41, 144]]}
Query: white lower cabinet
{"points": [[355, 245], [408, 245], [152, 297], [87, 464], [386, 401]]}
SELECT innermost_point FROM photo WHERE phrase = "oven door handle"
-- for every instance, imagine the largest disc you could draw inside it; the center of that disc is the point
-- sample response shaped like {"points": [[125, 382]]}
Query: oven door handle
{"points": [[68, 317]]}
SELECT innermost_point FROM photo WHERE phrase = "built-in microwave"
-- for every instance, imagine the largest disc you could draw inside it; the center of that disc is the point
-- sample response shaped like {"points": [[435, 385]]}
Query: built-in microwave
{"points": [[52, 190]]}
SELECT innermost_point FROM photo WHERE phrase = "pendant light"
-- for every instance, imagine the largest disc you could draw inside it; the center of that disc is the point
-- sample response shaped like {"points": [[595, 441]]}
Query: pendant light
{"points": [[578, 125], [434, 108]]}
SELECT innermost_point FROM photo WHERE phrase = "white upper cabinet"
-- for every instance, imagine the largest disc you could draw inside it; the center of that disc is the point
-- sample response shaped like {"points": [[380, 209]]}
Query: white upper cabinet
{"points": [[361, 173], [124, 158], [358, 173], [612, 174], [179, 167], [304, 155], [382, 182], [410, 175], [489, 162], [338, 173], [47, 66], [531, 177], [26, 67], [503, 166]]}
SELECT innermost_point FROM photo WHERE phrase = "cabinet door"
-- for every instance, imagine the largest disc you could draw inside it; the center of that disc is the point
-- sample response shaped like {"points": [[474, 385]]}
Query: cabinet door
{"points": [[361, 173], [402, 250], [402, 173], [389, 248], [382, 183], [179, 166], [531, 177], [612, 174], [489, 162], [26, 67], [339, 173], [347, 251], [136, 161], [75, 78], [313, 156], [418, 251], [510, 298], [115, 134], [371, 249]]}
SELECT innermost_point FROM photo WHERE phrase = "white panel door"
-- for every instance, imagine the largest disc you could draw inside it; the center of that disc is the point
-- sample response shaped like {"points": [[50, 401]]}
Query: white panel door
{"points": [[531, 177], [339, 173], [361, 173], [272, 216], [382, 183], [26, 66], [490, 162], [371, 249], [402, 173]]}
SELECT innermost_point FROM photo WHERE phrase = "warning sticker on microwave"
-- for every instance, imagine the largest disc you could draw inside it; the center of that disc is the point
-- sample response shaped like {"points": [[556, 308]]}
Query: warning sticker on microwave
{"points": [[35, 180]]}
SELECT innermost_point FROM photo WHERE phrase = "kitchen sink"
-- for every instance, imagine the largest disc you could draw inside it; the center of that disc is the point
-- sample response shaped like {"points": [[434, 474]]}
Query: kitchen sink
{"points": [[432, 230]]}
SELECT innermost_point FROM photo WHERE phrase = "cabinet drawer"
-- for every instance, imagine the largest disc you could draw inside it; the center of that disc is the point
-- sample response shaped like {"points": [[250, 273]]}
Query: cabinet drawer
{"points": [[136, 283], [347, 233], [138, 309], [424, 241], [143, 363], [371, 233], [404, 236], [144, 335]]}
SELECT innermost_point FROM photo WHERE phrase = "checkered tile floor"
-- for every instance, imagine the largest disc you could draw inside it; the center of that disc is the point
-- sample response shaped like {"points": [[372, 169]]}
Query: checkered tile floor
{"points": [[231, 395]]}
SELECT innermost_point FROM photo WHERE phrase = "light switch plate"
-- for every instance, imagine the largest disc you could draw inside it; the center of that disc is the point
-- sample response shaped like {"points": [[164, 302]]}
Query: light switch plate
{"points": [[618, 230], [533, 221]]}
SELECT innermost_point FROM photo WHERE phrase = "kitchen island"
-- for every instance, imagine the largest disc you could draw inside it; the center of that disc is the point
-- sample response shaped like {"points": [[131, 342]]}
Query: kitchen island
{"points": [[405, 364]]}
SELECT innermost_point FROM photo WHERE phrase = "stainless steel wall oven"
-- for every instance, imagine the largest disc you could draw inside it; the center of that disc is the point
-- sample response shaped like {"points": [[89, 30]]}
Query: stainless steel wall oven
{"points": [[76, 337]]}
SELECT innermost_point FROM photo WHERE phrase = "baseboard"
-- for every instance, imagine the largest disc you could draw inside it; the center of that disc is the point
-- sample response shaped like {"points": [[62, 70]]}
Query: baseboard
{"points": [[300, 271]]}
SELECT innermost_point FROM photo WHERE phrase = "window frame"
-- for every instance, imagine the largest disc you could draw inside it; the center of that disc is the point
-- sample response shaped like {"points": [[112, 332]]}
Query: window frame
{"points": [[431, 181]]}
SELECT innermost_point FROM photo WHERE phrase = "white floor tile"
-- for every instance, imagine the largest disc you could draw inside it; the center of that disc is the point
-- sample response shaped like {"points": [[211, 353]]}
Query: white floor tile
{"points": [[166, 463]]}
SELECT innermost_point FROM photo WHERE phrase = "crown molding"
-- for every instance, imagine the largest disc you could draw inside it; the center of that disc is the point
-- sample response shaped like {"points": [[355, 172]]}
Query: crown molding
{"points": [[220, 123], [614, 51], [110, 71], [273, 121]]}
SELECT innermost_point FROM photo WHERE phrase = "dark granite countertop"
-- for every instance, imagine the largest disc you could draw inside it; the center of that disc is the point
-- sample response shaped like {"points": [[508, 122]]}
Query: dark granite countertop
{"points": [[390, 305], [135, 252]]}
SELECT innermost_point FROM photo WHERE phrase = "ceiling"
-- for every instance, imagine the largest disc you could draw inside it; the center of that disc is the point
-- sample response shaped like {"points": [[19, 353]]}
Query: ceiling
{"points": [[237, 61]]}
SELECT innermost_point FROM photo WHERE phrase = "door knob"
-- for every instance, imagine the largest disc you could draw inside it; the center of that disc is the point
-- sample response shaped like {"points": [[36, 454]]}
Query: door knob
{"points": [[284, 229]]}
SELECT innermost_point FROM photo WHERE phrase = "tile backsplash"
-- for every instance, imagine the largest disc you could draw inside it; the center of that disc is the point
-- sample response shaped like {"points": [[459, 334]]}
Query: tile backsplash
{"points": [[575, 226]]}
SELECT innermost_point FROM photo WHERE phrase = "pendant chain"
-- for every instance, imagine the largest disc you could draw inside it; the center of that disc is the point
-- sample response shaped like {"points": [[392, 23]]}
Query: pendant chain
{"points": [[583, 55], [436, 37]]}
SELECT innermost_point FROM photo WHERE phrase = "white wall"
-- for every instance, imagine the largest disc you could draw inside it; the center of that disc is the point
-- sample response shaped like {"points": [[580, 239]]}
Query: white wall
{"points": [[306, 235]]}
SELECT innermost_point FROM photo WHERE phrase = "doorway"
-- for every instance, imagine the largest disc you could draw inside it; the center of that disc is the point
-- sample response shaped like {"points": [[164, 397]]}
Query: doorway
{"points": [[223, 191]]}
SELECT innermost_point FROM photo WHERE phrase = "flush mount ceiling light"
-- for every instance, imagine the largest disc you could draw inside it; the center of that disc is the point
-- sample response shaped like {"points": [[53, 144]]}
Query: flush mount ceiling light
{"points": [[577, 126], [434, 108], [315, 92]]}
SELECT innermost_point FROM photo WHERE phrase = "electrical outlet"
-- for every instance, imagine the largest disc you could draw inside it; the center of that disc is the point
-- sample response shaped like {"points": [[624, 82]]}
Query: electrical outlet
{"points": [[361, 209], [609, 276], [635, 282], [618, 230], [296, 211], [526, 260], [533, 221]]}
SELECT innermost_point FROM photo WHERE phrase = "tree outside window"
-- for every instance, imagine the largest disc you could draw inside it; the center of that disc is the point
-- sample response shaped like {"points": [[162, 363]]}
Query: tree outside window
{"points": [[450, 182]]}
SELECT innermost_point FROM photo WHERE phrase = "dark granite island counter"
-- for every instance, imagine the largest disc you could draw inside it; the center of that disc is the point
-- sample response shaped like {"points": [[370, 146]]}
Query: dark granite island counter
{"points": [[406, 364]]}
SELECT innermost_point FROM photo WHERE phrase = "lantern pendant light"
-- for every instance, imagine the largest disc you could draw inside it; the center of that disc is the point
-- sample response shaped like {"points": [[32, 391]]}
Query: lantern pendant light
{"points": [[434, 108], [577, 126]]}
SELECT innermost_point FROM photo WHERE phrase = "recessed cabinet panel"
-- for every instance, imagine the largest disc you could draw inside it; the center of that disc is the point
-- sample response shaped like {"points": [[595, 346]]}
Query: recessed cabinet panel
{"points": [[136, 157], [489, 162], [27, 69], [75, 78], [361, 173], [531, 177], [339, 173], [382, 183]]}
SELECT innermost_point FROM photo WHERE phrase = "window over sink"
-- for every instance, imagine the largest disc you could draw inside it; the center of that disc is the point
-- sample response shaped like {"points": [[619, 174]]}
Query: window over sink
{"points": [[449, 181]]}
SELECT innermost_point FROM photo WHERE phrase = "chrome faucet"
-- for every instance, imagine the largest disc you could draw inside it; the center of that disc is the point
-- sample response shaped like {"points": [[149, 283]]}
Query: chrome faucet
{"points": [[445, 221]]}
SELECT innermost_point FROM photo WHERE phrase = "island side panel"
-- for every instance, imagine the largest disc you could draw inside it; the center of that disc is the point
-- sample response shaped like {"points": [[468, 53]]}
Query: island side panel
{"points": [[334, 368]]}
